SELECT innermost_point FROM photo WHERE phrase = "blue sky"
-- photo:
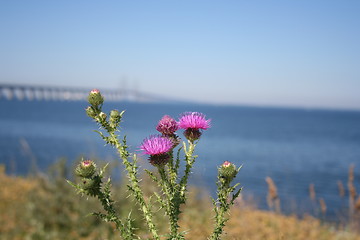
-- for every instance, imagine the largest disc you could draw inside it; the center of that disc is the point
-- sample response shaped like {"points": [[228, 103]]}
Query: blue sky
{"points": [[267, 53]]}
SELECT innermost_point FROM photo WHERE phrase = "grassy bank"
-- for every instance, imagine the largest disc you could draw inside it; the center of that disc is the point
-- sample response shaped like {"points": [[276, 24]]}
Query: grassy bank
{"points": [[46, 207]]}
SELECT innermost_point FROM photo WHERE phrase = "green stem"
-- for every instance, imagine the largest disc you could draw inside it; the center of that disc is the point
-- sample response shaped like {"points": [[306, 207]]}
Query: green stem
{"points": [[172, 169], [176, 192], [107, 203], [135, 187], [222, 206], [171, 206], [220, 215], [190, 159]]}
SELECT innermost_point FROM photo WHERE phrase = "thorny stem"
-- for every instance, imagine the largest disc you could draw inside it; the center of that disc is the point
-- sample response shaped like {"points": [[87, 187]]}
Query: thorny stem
{"points": [[190, 159], [107, 203], [220, 214], [104, 196], [222, 206], [131, 168], [175, 192], [172, 169], [172, 209]]}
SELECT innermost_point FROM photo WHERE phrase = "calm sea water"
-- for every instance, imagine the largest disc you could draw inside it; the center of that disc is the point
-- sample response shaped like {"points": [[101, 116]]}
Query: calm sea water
{"points": [[295, 147]]}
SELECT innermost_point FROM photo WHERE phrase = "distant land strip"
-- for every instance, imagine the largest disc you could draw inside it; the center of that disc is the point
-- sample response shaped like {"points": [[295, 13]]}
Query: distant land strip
{"points": [[23, 92]]}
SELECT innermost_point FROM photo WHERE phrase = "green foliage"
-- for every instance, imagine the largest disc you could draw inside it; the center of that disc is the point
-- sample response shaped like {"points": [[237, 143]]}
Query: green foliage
{"points": [[55, 213]]}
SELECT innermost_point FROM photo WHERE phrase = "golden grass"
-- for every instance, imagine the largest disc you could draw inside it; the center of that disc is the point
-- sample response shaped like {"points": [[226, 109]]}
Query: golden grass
{"points": [[13, 195], [247, 223], [16, 220]]}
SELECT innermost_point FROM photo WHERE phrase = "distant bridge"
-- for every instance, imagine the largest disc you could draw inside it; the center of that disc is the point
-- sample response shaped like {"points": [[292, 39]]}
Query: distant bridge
{"points": [[51, 93]]}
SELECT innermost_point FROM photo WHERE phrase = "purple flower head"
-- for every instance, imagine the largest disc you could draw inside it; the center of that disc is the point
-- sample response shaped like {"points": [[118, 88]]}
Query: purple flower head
{"points": [[167, 125], [156, 145], [194, 120]]}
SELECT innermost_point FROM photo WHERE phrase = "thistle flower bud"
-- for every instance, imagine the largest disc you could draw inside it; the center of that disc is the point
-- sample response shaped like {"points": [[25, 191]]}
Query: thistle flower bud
{"points": [[95, 98], [114, 118], [90, 112], [114, 114], [86, 169], [91, 185], [102, 116], [227, 171], [167, 125]]}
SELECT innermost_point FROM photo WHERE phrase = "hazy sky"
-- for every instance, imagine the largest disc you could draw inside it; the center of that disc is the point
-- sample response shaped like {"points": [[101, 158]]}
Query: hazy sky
{"points": [[286, 53]]}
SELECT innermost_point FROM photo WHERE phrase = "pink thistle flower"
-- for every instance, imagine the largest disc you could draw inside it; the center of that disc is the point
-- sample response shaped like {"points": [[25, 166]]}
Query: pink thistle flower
{"points": [[167, 125], [194, 120], [156, 145], [158, 148]]}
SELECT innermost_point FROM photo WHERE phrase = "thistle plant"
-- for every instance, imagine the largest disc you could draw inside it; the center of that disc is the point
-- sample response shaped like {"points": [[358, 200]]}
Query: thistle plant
{"points": [[166, 153], [226, 173]]}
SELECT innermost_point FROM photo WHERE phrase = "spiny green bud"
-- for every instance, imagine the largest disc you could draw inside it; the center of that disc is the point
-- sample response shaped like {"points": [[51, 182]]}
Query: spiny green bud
{"points": [[114, 118], [90, 112], [102, 116], [114, 114], [95, 98], [228, 171], [91, 185], [86, 169]]}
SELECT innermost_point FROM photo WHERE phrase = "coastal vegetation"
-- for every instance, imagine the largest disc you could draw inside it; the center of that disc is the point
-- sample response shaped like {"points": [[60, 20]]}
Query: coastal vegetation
{"points": [[44, 206]]}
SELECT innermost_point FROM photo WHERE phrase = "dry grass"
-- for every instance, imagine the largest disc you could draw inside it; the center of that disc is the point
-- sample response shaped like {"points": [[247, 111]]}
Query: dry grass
{"points": [[247, 223], [33, 208], [272, 198], [13, 195]]}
